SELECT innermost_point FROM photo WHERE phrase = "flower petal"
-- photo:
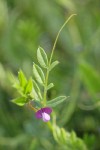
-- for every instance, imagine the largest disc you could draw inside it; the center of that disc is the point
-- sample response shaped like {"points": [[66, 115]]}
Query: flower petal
{"points": [[45, 117], [47, 110], [38, 114]]}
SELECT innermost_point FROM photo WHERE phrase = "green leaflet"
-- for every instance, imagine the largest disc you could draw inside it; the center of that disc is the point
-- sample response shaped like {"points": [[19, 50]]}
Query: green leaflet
{"points": [[50, 86], [36, 94], [42, 57], [19, 101], [22, 79], [53, 64], [38, 74], [29, 86], [56, 101]]}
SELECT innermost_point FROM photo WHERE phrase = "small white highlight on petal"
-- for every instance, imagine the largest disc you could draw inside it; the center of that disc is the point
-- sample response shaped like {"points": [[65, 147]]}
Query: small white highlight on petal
{"points": [[45, 117]]}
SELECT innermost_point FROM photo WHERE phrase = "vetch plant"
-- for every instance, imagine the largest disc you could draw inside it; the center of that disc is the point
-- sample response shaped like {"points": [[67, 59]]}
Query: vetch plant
{"points": [[33, 92], [35, 89]]}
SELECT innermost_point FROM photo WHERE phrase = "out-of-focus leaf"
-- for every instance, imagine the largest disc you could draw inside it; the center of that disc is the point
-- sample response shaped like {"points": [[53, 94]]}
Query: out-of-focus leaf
{"points": [[63, 135], [50, 86], [68, 141], [22, 79], [90, 77], [14, 80], [56, 101], [53, 64], [19, 101], [42, 57], [38, 74]]}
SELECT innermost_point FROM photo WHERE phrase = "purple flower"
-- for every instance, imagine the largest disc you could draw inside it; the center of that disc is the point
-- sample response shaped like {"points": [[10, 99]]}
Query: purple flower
{"points": [[44, 113]]}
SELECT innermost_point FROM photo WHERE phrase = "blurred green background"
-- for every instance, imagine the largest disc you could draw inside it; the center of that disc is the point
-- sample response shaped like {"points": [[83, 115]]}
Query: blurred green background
{"points": [[27, 24]]}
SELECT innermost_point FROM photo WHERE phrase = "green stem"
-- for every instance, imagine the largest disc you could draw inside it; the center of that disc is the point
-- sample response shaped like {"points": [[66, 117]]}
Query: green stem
{"points": [[45, 87], [52, 52]]}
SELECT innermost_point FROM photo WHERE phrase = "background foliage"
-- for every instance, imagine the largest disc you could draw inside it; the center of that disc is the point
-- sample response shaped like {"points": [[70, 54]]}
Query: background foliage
{"points": [[25, 25]]}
